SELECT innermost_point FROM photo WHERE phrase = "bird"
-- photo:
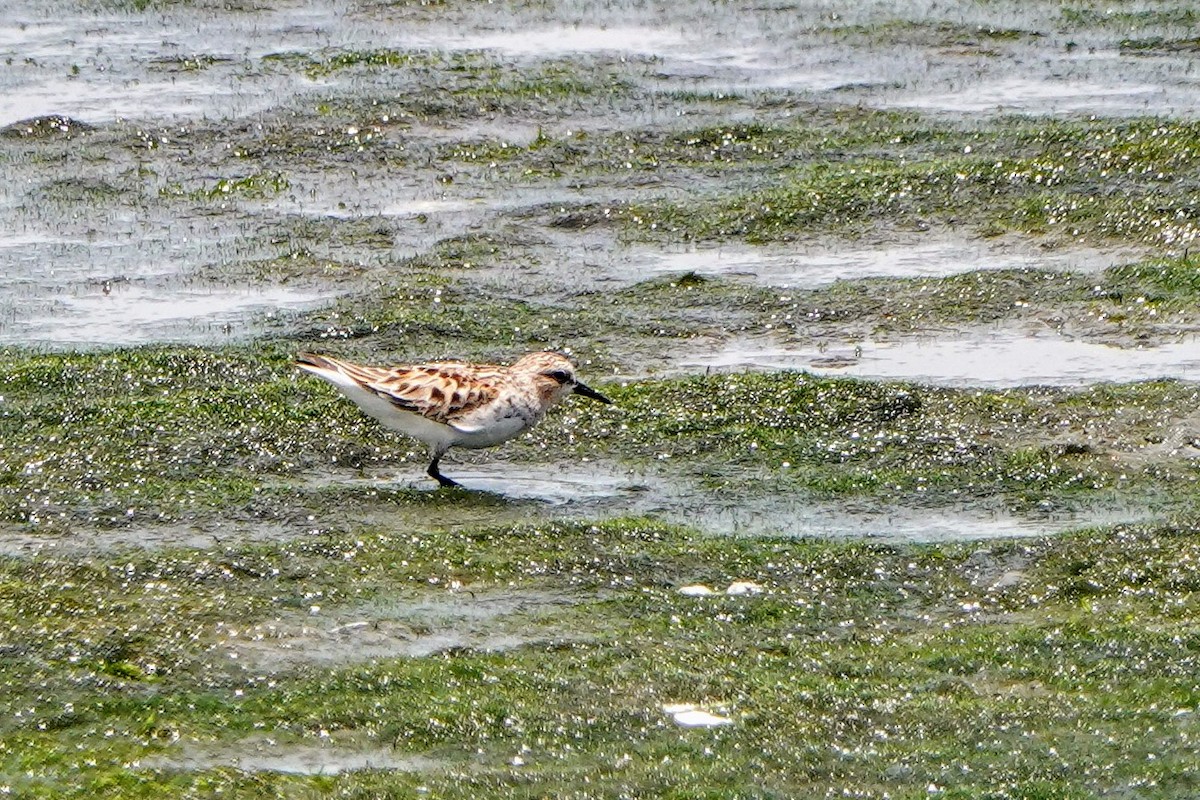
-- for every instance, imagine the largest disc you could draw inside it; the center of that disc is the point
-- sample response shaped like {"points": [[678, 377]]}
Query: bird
{"points": [[455, 404]]}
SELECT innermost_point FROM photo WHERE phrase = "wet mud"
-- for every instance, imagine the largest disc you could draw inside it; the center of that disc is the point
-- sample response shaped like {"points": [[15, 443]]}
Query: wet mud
{"points": [[267, 754], [218, 579], [453, 620], [991, 357]]}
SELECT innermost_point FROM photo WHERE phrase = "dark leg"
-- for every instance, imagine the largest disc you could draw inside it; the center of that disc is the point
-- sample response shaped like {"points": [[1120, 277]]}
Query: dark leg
{"points": [[434, 473]]}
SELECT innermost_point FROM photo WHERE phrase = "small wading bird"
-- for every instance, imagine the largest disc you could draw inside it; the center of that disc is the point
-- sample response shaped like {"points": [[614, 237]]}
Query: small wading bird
{"points": [[451, 404]]}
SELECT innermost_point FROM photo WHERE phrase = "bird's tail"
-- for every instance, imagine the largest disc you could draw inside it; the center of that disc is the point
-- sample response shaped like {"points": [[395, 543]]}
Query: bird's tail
{"points": [[313, 362], [350, 377]]}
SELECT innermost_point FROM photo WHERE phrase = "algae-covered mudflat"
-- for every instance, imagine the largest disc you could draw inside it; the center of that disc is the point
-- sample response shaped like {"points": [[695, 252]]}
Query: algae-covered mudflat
{"points": [[1061, 667], [897, 305]]}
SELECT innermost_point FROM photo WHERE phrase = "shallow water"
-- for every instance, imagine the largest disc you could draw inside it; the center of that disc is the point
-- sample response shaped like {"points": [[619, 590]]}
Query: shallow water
{"points": [[810, 265], [569, 39], [865, 519], [1023, 95], [263, 754], [400, 628], [128, 314], [22, 542], [178, 64], [596, 490], [508, 493], [992, 358]]}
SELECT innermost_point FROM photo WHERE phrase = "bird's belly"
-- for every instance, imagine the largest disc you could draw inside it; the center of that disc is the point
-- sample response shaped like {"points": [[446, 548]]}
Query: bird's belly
{"points": [[432, 433], [493, 434]]}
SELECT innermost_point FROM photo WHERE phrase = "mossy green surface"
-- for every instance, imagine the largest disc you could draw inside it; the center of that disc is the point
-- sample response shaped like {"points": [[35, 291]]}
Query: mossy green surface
{"points": [[1131, 304], [842, 171], [155, 435], [221, 579], [1060, 667]]}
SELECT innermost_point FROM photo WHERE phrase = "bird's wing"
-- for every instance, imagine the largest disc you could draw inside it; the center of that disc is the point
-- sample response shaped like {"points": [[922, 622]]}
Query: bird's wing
{"points": [[442, 392]]}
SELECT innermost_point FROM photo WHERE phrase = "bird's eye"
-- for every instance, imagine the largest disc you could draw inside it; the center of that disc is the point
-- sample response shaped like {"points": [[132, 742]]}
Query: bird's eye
{"points": [[562, 376]]}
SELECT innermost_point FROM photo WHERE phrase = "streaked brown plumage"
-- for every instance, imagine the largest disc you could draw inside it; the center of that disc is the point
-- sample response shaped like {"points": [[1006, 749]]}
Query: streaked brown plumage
{"points": [[453, 404]]}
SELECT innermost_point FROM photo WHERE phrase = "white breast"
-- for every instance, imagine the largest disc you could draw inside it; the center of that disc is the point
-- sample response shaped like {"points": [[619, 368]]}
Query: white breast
{"points": [[495, 432]]}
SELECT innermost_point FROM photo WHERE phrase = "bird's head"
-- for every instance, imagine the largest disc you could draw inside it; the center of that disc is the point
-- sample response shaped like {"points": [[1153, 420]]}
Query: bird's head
{"points": [[554, 376]]}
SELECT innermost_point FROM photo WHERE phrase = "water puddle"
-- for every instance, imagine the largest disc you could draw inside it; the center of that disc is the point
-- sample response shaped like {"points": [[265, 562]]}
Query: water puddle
{"points": [[127, 281], [1042, 96], [513, 493], [1002, 358], [127, 313], [598, 491], [98, 102], [489, 620], [722, 68], [414, 207], [562, 40], [383, 196], [810, 266], [264, 754], [784, 515], [550, 485], [19, 541], [177, 64]]}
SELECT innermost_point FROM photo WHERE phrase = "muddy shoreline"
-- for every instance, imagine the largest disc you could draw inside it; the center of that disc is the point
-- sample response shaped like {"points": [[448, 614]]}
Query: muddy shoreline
{"points": [[897, 303]]}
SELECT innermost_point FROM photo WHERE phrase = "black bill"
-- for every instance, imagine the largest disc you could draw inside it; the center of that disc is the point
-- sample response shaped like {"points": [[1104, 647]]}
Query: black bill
{"points": [[587, 391]]}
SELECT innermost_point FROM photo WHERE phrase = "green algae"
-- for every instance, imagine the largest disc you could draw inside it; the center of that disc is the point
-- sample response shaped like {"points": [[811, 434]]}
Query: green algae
{"points": [[1140, 302], [255, 186], [155, 435], [1049, 668], [841, 171], [960, 666], [842, 436]]}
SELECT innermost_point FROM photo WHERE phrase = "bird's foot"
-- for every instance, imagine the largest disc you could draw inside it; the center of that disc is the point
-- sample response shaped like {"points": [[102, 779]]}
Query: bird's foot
{"points": [[437, 475]]}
